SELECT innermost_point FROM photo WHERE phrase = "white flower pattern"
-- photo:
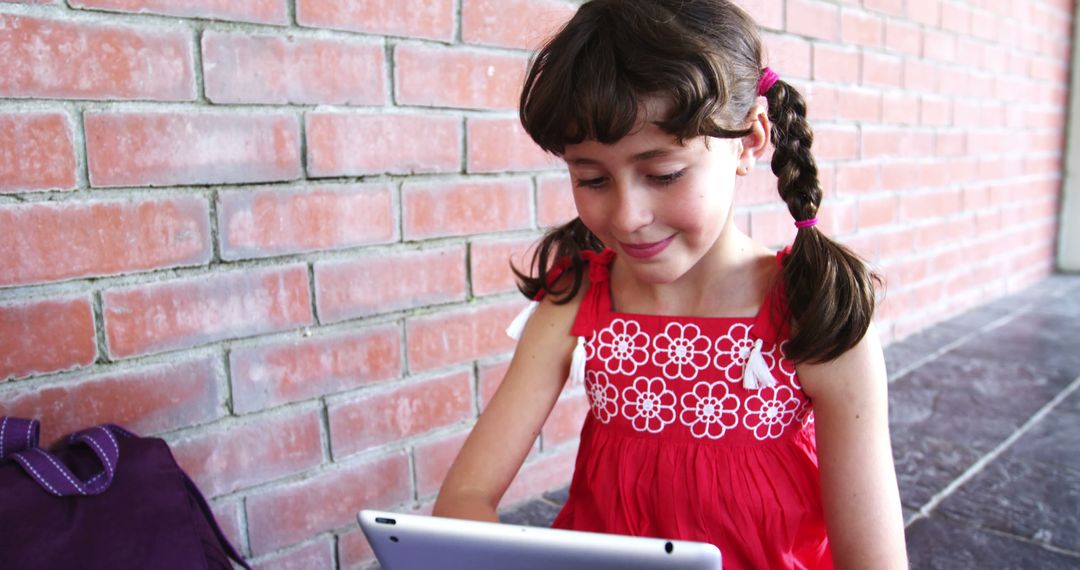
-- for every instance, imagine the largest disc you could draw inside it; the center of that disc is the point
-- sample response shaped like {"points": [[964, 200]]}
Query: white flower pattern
{"points": [[733, 350], [622, 347], [648, 404], [770, 411], [681, 351], [603, 396], [709, 410]]}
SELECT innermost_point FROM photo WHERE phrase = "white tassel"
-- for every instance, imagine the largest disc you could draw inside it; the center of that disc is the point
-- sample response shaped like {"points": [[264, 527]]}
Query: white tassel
{"points": [[517, 326], [577, 363], [756, 373]]}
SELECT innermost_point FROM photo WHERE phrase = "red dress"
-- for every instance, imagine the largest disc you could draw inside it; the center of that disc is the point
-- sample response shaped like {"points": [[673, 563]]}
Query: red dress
{"points": [[674, 446]]}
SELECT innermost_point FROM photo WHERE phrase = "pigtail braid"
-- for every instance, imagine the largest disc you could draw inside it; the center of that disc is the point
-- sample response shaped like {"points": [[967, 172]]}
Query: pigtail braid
{"points": [[830, 290], [566, 241]]}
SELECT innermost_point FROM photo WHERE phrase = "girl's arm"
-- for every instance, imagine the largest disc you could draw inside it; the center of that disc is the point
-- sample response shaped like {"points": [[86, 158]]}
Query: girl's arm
{"points": [[858, 480], [503, 436]]}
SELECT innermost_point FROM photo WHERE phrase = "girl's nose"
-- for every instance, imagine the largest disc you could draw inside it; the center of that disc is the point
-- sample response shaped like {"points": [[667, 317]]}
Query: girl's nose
{"points": [[632, 210]]}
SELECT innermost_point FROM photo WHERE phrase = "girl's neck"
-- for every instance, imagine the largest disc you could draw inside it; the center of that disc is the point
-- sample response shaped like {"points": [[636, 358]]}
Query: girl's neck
{"points": [[731, 280]]}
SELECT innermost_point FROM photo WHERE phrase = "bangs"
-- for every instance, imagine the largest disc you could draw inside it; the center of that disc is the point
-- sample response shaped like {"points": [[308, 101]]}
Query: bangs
{"points": [[588, 83]]}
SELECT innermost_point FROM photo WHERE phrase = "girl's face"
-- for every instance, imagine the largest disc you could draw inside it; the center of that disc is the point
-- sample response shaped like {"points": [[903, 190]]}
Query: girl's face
{"points": [[662, 206]]}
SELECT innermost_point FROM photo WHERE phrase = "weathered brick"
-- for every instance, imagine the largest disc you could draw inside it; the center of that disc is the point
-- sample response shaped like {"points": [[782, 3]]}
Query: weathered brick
{"points": [[273, 374], [834, 142], [330, 499], [178, 314], [489, 376], [318, 554], [433, 459], [861, 105], [790, 56], [501, 145], [347, 144], [459, 336], [439, 209], [554, 201], [360, 424], [467, 78], [267, 222], [44, 336], [861, 29], [256, 11], [36, 152], [882, 70], [55, 241], [772, 226], [766, 13], [241, 68], [491, 261], [813, 18], [161, 149], [227, 513], [59, 59], [432, 19], [834, 63], [378, 283], [146, 400], [903, 36], [524, 24], [234, 455], [543, 473]]}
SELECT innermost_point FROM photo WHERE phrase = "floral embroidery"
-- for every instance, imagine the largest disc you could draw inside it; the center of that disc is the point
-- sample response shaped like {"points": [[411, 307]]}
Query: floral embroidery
{"points": [[622, 347], [602, 395], [648, 404], [806, 414], [709, 410], [681, 351], [770, 411], [787, 367], [733, 350]]}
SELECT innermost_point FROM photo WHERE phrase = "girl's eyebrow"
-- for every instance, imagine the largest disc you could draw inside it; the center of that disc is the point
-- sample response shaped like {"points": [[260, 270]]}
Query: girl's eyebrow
{"points": [[649, 154]]}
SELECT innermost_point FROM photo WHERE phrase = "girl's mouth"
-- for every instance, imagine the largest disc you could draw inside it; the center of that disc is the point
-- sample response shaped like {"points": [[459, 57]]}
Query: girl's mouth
{"points": [[645, 250]]}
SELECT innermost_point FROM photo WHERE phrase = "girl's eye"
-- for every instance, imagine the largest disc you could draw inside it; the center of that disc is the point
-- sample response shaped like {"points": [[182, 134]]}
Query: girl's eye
{"points": [[590, 182], [669, 178]]}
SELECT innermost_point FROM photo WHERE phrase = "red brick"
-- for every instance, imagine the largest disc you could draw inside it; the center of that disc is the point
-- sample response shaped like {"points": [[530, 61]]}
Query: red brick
{"points": [[490, 261], [955, 17], [257, 11], [318, 554], [501, 145], [187, 312], [985, 26], [821, 102], [545, 472], [440, 209], [894, 143], [760, 186], [227, 513], [433, 459], [436, 76], [766, 13], [832, 63], [935, 111], [921, 75], [882, 70], [359, 424], [354, 552], [834, 142], [58, 59], [161, 149], [490, 376], [862, 29], [388, 281], [904, 37], [554, 201], [565, 421], [890, 7], [341, 144], [240, 68], [788, 55], [813, 18], [41, 337], [330, 499], [268, 222], [146, 400], [459, 336], [283, 372], [900, 108], [939, 46], [772, 226], [521, 24], [926, 12], [56, 241], [877, 211], [38, 152], [240, 454], [862, 105], [930, 205], [433, 19]]}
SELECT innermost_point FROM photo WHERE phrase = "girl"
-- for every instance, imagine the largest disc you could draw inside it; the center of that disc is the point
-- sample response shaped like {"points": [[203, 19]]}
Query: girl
{"points": [[737, 396]]}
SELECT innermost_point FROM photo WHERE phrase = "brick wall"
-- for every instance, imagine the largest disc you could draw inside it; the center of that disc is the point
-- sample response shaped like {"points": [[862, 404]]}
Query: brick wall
{"points": [[275, 231]]}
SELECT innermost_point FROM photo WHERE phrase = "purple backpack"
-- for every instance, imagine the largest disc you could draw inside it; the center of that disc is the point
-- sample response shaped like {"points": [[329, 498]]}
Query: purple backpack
{"points": [[104, 498]]}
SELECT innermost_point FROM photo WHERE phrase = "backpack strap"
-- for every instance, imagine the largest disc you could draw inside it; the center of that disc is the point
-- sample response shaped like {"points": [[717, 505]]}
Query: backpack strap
{"points": [[20, 444]]}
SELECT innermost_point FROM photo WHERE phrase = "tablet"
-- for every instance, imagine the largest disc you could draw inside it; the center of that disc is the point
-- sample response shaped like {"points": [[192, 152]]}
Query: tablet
{"points": [[410, 542]]}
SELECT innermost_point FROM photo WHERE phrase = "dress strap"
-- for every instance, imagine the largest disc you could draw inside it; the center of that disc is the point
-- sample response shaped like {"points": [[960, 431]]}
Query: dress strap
{"points": [[597, 299], [772, 324]]}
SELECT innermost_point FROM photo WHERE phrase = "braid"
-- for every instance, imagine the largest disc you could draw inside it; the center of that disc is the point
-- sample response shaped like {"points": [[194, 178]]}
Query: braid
{"points": [[830, 291]]}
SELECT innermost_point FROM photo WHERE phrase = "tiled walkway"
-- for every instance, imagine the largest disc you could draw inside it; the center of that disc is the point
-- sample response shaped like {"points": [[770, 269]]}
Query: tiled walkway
{"points": [[985, 416]]}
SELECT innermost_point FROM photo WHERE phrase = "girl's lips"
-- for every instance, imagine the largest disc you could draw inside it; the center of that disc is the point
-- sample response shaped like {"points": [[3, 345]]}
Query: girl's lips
{"points": [[645, 250]]}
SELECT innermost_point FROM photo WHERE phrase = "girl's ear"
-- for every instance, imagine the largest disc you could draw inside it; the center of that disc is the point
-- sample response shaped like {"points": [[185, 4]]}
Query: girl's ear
{"points": [[757, 142]]}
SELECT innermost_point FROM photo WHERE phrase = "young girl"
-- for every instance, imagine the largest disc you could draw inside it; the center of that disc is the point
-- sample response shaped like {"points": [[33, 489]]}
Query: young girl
{"points": [[738, 396]]}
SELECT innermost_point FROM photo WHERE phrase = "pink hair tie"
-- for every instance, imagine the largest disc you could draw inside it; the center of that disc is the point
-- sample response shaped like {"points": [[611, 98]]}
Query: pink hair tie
{"points": [[805, 223], [768, 79]]}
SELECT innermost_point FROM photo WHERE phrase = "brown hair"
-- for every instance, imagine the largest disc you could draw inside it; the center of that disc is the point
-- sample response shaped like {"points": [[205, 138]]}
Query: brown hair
{"points": [[705, 56]]}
